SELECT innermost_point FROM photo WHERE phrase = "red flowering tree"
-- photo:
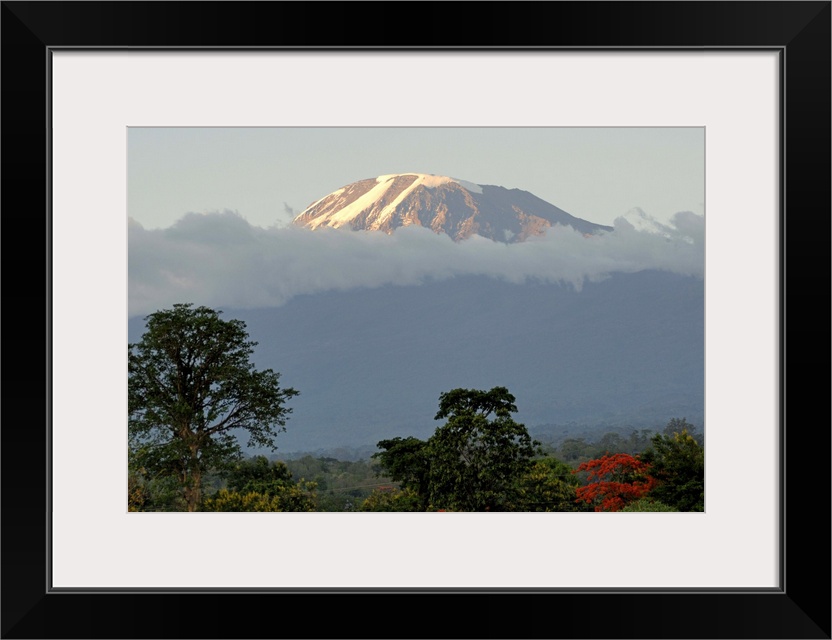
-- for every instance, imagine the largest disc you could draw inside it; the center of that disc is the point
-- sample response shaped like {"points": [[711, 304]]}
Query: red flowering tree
{"points": [[614, 481]]}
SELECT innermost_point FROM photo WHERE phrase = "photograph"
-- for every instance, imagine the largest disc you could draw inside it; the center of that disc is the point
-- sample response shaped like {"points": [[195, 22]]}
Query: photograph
{"points": [[464, 310], [314, 328]]}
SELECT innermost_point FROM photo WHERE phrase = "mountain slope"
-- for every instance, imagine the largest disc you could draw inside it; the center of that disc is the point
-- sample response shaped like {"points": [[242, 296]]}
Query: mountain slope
{"points": [[370, 363], [457, 208]]}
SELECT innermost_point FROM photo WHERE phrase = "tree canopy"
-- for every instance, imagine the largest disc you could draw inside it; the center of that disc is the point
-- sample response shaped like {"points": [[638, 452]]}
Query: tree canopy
{"points": [[476, 462], [549, 485], [473, 462], [615, 481], [258, 475], [191, 388], [677, 463], [407, 461]]}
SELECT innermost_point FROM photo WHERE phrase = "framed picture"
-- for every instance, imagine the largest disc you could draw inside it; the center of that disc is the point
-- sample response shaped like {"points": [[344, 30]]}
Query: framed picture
{"points": [[753, 77]]}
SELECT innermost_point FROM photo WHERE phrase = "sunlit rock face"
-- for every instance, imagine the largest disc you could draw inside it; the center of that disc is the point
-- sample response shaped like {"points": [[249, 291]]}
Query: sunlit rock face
{"points": [[446, 205]]}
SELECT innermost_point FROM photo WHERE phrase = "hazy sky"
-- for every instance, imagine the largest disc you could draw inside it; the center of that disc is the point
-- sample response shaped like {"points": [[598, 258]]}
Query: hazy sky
{"points": [[263, 174], [209, 224]]}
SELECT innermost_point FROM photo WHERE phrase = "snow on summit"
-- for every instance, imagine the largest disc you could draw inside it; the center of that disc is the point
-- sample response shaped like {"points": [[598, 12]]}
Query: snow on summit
{"points": [[383, 185], [458, 208], [427, 179], [352, 209]]}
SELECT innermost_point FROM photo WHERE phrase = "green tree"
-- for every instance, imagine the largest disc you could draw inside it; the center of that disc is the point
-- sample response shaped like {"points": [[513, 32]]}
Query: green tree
{"points": [[392, 499], [476, 460], [150, 490], [258, 475], [296, 497], [406, 461], [191, 386], [677, 463], [548, 485]]}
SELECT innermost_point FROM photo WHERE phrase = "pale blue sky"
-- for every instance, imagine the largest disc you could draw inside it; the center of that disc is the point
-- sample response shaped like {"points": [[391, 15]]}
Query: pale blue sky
{"points": [[597, 174]]}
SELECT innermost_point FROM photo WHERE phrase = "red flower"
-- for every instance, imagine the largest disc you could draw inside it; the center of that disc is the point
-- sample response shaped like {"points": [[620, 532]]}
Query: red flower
{"points": [[619, 480]]}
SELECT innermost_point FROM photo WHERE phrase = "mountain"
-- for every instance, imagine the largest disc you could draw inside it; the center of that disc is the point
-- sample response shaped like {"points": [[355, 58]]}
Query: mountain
{"points": [[371, 363], [446, 205]]}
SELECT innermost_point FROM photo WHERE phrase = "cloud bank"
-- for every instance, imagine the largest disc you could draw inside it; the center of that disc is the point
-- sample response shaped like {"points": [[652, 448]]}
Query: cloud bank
{"points": [[220, 260]]}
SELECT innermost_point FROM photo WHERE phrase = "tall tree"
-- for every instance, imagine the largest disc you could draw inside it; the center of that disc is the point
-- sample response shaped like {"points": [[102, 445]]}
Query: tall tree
{"points": [[678, 463], [406, 461], [476, 460], [191, 387]]}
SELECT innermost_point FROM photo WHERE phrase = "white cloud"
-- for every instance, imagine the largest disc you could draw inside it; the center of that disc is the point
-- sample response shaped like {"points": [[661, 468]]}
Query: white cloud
{"points": [[220, 260]]}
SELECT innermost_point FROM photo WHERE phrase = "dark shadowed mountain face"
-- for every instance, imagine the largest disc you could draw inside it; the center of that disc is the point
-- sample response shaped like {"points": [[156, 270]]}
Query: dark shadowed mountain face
{"points": [[370, 363], [457, 208]]}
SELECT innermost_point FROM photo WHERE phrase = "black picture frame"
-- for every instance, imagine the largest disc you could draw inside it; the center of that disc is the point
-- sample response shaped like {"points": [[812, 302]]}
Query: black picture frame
{"points": [[800, 608]]}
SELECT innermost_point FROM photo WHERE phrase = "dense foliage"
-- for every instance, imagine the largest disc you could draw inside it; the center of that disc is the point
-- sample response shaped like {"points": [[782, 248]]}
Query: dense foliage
{"points": [[407, 462], [191, 386], [478, 460], [193, 391], [389, 498], [300, 497], [343, 485], [549, 485], [677, 462]]}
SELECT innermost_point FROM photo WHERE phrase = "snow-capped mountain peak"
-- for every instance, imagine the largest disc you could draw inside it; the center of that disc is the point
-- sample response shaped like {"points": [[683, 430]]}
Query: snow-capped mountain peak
{"points": [[459, 208]]}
